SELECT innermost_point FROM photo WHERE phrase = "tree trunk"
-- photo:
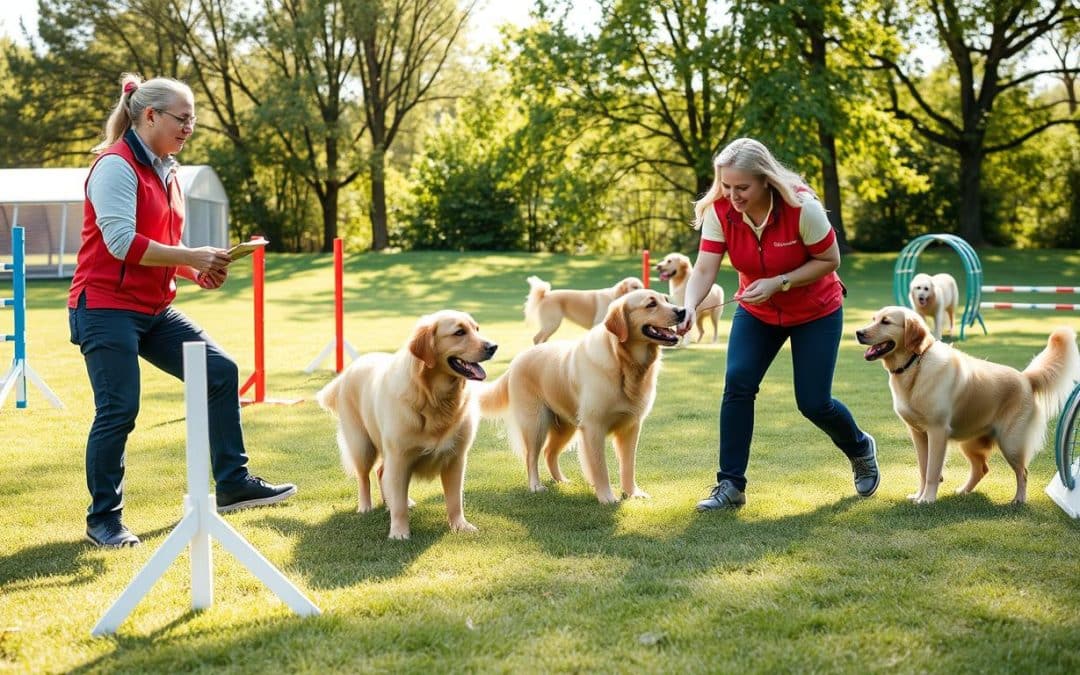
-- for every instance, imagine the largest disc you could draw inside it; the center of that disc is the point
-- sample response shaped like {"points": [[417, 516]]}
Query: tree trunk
{"points": [[971, 159], [830, 178], [380, 235], [328, 200]]}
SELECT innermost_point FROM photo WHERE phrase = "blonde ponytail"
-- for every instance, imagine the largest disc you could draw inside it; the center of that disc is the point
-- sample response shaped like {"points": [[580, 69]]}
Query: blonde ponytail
{"points": [[135, 97]]}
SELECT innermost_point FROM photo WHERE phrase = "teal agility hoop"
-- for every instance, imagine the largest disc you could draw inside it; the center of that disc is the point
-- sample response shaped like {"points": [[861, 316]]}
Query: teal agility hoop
{"points": [[1066, 439], [904, 272]]}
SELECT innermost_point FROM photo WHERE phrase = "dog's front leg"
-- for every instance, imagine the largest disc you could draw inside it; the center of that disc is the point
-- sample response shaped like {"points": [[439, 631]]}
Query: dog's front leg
{"points": [[395, 487], [593, 463], [626, 442], [453, 484], [918, 438], [937, 438]]}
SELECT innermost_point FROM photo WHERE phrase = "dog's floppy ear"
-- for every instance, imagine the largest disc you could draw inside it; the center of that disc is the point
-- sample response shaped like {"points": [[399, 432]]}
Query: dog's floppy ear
{"points": [[617, 322], [916, 337], [422, 344]]}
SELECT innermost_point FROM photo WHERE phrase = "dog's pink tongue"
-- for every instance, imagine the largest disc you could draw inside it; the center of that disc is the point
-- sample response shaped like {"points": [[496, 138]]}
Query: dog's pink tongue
{"points": [[474, 371]]}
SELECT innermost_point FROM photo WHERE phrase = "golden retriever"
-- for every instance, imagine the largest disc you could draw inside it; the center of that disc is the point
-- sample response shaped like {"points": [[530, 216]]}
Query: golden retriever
{"points": [[411, 413], [941, 393], [935, 296], [675, 269], [585, 308], [603, 383]]}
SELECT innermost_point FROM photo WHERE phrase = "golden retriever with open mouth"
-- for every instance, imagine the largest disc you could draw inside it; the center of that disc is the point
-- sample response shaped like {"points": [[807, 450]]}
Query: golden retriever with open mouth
{"points": [[585, 308], [602, 384], [942, 393], [935, 296], [675, 269], [411, 413]]}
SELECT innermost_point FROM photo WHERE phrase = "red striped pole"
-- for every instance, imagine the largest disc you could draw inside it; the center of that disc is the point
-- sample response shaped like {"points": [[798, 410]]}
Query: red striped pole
{"points": [[1031, 305], [645, 267], [339, 306], [1031, 289]]}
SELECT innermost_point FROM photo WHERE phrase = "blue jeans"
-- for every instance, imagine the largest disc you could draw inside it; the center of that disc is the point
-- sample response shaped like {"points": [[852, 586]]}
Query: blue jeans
{"points": [[112, 340], [752, 347]]}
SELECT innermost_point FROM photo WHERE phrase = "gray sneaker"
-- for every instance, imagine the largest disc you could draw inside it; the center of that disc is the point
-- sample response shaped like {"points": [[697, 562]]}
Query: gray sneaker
{"points": [[866, 472], [724, 495]]}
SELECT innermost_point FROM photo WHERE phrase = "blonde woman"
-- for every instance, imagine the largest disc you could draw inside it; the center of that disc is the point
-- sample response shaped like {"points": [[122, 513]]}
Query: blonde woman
{"points": [[770, 224], [120, 302]]}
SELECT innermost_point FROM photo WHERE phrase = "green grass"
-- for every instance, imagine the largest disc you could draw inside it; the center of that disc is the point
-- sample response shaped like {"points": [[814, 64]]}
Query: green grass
{"points": [[805, 578]]}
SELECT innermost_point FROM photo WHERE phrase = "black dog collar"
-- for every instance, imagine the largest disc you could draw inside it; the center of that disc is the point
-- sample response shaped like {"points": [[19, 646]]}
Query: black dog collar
{"points": [[910, 362]]}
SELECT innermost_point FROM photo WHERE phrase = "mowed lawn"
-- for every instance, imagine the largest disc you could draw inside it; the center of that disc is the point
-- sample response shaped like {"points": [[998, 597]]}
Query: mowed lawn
{"points": [[807, 577]]}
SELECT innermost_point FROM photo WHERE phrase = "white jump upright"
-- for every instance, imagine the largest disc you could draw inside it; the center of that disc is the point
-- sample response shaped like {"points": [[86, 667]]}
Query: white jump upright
{"points": [[20, 370], [200, 522]]}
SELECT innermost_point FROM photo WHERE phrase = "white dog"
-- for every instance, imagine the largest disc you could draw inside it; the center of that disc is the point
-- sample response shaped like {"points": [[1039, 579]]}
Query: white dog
{"points": [[935, 296]]}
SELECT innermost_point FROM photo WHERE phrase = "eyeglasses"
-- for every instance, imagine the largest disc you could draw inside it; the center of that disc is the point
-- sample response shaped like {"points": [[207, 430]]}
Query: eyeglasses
{"points": [[187, 120]]}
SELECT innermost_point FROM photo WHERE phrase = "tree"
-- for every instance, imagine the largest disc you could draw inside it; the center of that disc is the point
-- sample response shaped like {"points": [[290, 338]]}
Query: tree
{"points": [[402, 46], [986, 43]]}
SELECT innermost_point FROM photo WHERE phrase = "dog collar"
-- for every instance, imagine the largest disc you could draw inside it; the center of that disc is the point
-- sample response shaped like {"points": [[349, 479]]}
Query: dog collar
{"points": [[910, 362]]}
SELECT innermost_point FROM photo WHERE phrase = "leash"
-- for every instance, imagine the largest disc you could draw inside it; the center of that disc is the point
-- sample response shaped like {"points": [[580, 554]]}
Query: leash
{"points": [[719, 304]]}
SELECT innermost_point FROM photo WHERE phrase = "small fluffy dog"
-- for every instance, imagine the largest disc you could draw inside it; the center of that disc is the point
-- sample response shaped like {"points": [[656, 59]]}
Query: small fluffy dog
{"points": [[942, 393], [935, 296], [585, 308], [410, 413], [675, 269], [602, 384]]}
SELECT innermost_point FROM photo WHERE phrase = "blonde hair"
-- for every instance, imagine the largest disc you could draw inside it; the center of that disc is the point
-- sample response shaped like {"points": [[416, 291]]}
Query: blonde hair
{"points": [[135, 97], [746, 154]]}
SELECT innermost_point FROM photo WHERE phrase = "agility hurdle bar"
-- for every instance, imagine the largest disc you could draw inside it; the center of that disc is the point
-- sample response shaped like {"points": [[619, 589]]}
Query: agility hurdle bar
{"points": [[904, 271], [258, 377], [1065, 307], [20, 370], [338, 344], [200, 522], [645, 267]]}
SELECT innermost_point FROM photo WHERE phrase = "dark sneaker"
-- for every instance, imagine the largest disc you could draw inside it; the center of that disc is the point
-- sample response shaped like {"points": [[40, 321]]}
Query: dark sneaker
{"points": [[724, 495], [254, 491], [111, 534], [866, 472]]}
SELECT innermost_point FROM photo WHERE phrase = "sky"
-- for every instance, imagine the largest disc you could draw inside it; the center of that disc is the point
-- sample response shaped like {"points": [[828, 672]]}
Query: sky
{"points": [[489, 14]]}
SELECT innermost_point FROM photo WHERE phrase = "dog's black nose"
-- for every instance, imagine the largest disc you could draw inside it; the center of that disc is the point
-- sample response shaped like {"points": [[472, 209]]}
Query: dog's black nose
{"points": [[489, 349], [680, 314], [859, 335]]}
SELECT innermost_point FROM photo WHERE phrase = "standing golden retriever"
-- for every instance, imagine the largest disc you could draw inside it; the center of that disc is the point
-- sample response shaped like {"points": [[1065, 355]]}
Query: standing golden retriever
{"points": [[410, 413], [935, 296], [585, 308], [602, 384], [675, 269], [942, 393]]}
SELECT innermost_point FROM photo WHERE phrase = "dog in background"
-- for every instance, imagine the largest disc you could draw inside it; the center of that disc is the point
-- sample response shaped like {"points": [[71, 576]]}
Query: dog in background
{"points": [[935, 296], [941, 393], [410, 413], [675, 269], [603, 383], [585, 308]]}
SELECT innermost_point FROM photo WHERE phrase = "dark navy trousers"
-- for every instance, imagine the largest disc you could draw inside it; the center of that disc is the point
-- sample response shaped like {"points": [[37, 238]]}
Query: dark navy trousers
{"points": [[112, 340], [752, 347]]}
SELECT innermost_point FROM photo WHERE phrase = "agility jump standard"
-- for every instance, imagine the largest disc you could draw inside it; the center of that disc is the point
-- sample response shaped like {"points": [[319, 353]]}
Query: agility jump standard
{"points": [[258, 377], [200, 522], [645, 267], [338, 344], [20, 370]]}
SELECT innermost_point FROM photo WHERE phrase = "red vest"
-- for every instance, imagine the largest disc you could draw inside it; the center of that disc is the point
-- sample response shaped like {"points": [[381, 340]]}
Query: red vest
{"points": [[159, 216], [779, 251]]}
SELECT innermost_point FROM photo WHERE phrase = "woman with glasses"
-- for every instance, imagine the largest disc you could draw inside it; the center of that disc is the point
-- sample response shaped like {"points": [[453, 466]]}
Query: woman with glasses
{"points": [[120, 302], [774, 230]]}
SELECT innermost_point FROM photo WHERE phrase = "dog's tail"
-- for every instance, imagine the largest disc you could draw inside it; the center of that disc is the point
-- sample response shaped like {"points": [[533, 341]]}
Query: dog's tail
{"points": [[1054, 372], [537, 289], [494, 397], [328, 395]]}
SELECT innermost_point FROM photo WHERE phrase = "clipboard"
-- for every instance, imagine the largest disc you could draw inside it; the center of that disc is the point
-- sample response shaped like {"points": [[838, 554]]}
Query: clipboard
{"points": [[246, 248]]}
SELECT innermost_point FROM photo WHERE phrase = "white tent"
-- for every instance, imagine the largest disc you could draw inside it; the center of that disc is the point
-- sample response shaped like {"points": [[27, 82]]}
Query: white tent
{"points": [[48, 203]]}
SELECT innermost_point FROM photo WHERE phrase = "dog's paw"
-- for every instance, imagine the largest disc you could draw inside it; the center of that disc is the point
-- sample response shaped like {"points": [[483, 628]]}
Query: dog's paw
{"points": [[398, 535], [463, 526], [637, 493], [537, 487], [607, 498]]}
